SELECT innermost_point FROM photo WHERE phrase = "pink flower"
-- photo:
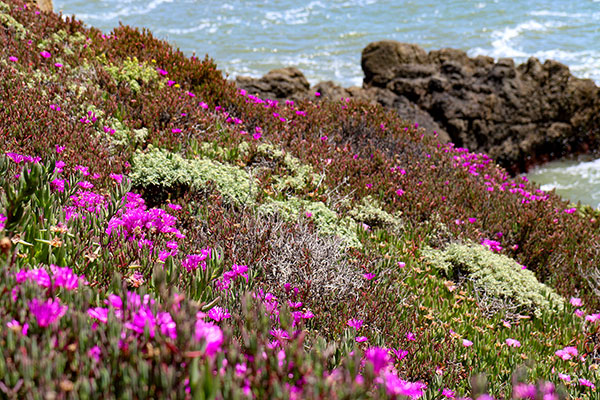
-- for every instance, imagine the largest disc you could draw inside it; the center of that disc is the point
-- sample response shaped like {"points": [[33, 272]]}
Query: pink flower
{"points": [[176, 130], [203, 105], [317, 94], [565, 377], [513, 342], [399, 192], [592, 317], [308, 214], [492, 245], [13, 59], [576, 302], [472, 220], [398, 387], [448, 393], [15, 326], [355, 323], [570, 210], [58, 65], [162, 71], [85, 185], [211, 334], [399, 353], [378, 357], [361, 339], [45, 54], [170, 82], [401, 264], [567, 353], [117, 177], [411, 336], [99, 313], [585, 382], [324, 138], [467, 343], [190, 94], [369, 276], [47, 312], [218, 314], [58, 185], [95, 353]]}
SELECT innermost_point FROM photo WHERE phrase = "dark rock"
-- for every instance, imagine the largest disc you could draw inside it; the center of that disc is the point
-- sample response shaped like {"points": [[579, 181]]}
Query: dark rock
{"points": [[283, 83]]}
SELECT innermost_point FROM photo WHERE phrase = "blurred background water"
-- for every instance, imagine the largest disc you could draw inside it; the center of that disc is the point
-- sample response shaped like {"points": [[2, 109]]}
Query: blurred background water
{"points": [[325, 39]]}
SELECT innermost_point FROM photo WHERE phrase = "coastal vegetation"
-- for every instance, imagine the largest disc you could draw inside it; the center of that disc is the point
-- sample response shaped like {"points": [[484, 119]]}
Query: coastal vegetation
{"points": [[164, 234]]}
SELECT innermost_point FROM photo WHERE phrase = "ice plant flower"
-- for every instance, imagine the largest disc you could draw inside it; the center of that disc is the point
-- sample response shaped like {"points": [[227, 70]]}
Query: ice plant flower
{"points": [[47, 312], [95, 353], [13, 59], [467, 343], [355, 323], [585, 382], [448, 393], [411, 336], [564, 377], [210, 333], [513, 342], [576, 302], [58, 65], [45, 54], [492, 245], [218, 314], [398, 387], [567, 353], [3, 219], [400, 192], [378, 357], [361, 339], [369, 276]]}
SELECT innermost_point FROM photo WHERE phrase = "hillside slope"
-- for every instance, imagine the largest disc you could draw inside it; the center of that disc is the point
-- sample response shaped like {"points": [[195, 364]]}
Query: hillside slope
{"points": [[166, 235]]}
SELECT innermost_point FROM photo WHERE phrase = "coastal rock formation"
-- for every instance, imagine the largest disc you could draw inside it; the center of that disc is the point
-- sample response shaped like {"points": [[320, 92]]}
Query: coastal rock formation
{"points": [[45, 5], [520, 115]]}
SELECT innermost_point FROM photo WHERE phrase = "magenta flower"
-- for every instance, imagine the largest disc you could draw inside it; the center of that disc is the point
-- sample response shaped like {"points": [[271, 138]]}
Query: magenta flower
{"points": [[162, 71], [576, 302], [592, 317], [467, 343], [45, 54], [95, 353], [218, 314], [399, 353], [99, 313], [15, 326], [355, 323], [585, 382], [398, 387], [400, 192], [448, 393], [13, 59], [317, 94], [378, 357], [58, 185], [492, 245], [513, 342], [369, 276], [85, 185], [117, 177], [58, 65], [176, 130], [175, 207], [411, 336], [170, 82], [47, 312], [567, 353], [524, 391], [361, 339], [565, 377], [64, 277], [3, 219]]}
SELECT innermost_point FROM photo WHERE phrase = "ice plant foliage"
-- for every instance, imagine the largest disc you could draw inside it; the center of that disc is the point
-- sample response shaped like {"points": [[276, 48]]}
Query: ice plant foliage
{"points": [[190, 295]]}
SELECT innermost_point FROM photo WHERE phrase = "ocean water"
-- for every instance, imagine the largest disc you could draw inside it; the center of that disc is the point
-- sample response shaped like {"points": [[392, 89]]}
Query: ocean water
{"points": [[324, 38]]}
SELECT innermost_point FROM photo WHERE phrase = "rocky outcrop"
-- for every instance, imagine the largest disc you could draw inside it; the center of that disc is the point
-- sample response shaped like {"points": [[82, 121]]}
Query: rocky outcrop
{"points": [[520, 115], [45, 5]]}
